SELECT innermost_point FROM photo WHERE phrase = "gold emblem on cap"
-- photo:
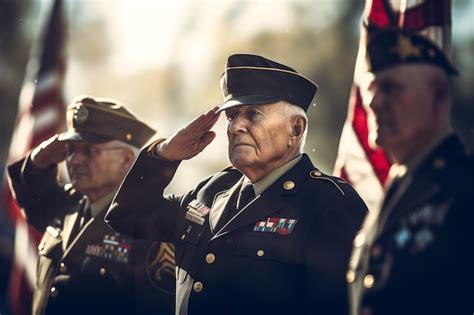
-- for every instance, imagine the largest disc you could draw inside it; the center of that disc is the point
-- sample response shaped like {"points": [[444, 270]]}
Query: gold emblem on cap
{"points": [[128, 136], [405, 48], [81, 114], [289, 185]]}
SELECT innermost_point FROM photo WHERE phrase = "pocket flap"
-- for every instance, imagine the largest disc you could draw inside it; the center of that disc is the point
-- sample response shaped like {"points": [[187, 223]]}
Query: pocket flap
{"points": [[50, 241]]}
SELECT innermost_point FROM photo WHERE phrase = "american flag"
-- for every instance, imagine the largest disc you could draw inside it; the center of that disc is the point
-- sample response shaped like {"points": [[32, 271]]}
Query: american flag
{"points": [[41, 114], [366, 168]]}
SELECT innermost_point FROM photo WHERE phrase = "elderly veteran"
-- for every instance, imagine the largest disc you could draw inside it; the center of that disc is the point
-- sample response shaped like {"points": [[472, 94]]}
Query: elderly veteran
{"points": [[271, 234], [84, 266], [415, 255]]}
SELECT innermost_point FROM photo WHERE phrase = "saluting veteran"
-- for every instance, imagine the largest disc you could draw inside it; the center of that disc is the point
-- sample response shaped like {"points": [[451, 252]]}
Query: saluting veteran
{"points": [[415, 255], [84, 266], [271, 234]]}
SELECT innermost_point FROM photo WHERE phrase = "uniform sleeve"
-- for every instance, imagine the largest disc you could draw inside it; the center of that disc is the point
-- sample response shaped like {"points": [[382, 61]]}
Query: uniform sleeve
{"points": [[328, 248], [139, 208], [39, 193]]}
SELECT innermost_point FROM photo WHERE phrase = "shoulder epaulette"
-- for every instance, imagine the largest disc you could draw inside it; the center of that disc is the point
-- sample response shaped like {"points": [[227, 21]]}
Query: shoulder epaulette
{"points": [[316, 174]]}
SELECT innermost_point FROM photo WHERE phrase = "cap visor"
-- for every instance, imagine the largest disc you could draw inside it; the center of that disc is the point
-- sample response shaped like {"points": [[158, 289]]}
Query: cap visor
{"points": [[73, 135], [248, 100]]}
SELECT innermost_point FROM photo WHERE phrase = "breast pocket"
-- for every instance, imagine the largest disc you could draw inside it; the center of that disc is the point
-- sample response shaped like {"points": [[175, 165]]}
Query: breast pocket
{"points": [[270, 261], [186, 248], [266, 246]]}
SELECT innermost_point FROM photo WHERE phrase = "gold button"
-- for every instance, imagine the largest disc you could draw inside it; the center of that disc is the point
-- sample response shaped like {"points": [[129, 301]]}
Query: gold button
{"points": [[260, 253], [183, 236], [315, 173], [369, 281], [102, 271], [210, 258], [350, 276], [376, 251], [359, 240], [289, 185], [62, 268], [128, 136], [198, 286], [54, 292]]}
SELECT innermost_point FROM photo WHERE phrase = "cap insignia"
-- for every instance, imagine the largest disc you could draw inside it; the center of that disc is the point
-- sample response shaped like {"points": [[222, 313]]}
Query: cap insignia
{"points": [[405, 48]]}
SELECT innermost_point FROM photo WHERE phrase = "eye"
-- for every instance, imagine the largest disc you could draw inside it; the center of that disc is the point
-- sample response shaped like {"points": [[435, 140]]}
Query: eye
{"points": [[230, 115], [70, 149], [253, 114], [389, 87]]}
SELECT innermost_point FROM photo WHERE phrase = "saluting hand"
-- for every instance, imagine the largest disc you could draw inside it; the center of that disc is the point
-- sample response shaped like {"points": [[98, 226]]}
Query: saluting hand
{"points": [[49, 152], [190, 139]]}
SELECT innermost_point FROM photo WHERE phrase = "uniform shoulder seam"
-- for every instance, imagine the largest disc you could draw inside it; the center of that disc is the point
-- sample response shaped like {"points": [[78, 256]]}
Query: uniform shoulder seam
{"points": [[315, 174]]}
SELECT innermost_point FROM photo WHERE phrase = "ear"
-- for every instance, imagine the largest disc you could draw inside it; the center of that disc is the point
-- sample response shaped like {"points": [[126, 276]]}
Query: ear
{"points": [[298, 126], [128, 159]]}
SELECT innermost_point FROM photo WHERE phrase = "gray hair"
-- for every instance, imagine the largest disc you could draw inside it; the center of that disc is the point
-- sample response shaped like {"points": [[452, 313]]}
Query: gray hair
{"points": [[128, 146]]}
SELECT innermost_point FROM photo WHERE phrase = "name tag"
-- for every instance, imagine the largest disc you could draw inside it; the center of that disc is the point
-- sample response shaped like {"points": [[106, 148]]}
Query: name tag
{"points": [[52, 231], [194, 218], [196, 212]]}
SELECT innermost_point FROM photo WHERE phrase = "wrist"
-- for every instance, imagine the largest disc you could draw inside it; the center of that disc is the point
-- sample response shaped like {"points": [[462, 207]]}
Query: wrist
{"points": [[35, 158], [154, 149]]}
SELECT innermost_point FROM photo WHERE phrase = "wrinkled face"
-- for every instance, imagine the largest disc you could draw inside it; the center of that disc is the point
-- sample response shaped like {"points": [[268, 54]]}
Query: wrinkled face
{"points": [[402, 110], [258, 136], [95, 169]]}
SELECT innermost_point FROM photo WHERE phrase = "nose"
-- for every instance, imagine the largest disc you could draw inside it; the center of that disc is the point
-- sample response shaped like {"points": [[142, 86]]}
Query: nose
{"points": [[376, 101]]}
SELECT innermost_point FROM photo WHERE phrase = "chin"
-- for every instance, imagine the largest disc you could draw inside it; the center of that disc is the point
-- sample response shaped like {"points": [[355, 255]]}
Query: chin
{"points": [[240, 161]]}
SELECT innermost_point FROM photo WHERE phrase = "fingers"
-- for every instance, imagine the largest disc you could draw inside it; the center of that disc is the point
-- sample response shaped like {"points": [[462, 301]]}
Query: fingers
{"points": [[203, 122], [191, 139], [206, 140]]}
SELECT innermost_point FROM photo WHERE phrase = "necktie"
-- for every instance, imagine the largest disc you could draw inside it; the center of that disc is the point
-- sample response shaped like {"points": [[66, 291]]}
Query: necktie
{"points": [[84, 215], [246, 195]]}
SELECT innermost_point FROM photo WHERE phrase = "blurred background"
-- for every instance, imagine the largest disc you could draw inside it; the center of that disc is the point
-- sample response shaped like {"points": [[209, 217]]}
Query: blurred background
{"points": [[163, 59]]}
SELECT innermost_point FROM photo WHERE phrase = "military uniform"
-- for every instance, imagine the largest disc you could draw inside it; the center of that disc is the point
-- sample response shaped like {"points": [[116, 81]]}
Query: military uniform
{"points": [[84, 266], [416, 255], [285, 252], [93, 270]]}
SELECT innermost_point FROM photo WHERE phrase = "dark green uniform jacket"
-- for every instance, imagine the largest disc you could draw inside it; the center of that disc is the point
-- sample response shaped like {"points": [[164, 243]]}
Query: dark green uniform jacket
{"points": [[94, 269], [417, 255], [284, 253]]}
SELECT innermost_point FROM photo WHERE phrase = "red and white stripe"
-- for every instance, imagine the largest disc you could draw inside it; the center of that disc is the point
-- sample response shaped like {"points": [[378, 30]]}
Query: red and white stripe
{"points": [[41, 114]]}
